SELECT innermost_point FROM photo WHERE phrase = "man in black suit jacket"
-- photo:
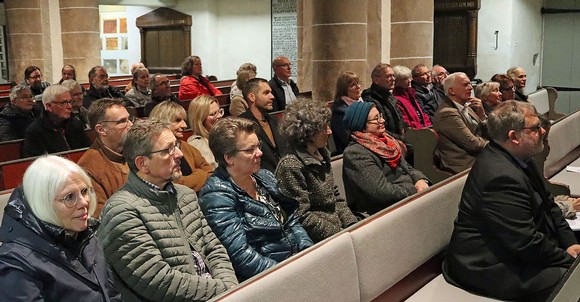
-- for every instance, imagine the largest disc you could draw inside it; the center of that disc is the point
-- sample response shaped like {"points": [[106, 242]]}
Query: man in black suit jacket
{"points": [[283, 88], [259, 97], [510, 240]]}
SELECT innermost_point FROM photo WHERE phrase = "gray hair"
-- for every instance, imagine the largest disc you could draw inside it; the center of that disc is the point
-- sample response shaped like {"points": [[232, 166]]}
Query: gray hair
{"points": [[511, 73], [402, 72], [507, 116], [483, 90], [70, 84], [247, 67], [43, 181], [141, 138], [52, 92], [16, 90], [223, 137], [450, 81], [303, 119]]}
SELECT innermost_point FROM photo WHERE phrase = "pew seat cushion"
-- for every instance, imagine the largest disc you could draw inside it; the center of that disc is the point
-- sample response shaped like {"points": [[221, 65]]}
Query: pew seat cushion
{"points": [[439, 290], [325, 272], [401, 238]]}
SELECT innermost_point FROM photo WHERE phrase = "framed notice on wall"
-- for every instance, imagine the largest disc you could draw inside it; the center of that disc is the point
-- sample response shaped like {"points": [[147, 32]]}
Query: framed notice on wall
{"points": [[284, 31]]}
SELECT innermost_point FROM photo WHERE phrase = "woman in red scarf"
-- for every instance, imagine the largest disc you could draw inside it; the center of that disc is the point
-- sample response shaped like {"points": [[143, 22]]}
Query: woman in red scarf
{"points": [[375, 173]]}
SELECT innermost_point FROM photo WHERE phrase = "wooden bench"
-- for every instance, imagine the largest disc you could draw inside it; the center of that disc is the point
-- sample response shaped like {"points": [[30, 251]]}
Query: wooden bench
{"points": [[544, 99], [11, 172], [10, 150]]}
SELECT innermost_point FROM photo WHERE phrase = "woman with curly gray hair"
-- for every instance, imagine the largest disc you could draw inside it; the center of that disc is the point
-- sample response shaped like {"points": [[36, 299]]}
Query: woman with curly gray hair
{"points": [[305, 173]]}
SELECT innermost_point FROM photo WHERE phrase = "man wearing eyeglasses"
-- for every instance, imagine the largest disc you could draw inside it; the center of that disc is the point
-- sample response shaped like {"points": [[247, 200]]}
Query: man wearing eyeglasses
{"points": [[16, 116], [153, 232], [160, 92], [104, 161], [100, 88], [33, 78], [439, 74], [426, 95], [56, 130], [284, 89], [510, 241]]}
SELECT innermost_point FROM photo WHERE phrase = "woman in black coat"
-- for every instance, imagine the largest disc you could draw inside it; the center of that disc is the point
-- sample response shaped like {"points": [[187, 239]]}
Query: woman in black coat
{"points": [[49, 251]]}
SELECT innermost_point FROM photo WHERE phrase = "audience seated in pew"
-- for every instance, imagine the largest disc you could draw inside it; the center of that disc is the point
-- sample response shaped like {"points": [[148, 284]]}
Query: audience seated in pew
{"points": [[426, 95], [506, 86], [348, 91], [375, 172], [193, 83], [139, 94], [48, 249], [260, 98], [160, 92], [438, 75], [18, 114], [235, 89], [56, 130], [305, 173], [458, 123], [411, 110], [153, 233], [100, 88], [134, 67], [203, 112], [510, 240], [257, 224], [76, 93], [104, 160], [284, 89], [238, 103], [195, 169], [33, 78], [518, 75], [489, 94]]}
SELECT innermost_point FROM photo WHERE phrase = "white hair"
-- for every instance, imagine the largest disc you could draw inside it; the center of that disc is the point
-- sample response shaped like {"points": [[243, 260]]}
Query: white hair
{"points": [[43, 181], [450, 81], [52, 92]]}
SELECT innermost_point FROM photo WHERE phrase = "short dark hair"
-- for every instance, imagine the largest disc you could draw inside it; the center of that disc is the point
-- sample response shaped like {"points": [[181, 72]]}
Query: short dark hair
{"points": [[98, 109], [140, 139], [29, 70], [252, 86]]}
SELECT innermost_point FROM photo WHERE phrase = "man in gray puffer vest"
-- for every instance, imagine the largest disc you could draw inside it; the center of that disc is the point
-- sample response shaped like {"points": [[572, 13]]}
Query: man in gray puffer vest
{"points": [[155, 238]]}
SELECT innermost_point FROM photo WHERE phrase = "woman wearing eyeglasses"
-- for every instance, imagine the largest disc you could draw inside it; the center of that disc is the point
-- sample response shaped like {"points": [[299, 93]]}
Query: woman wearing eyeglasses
{"points": [[194, 168], [256, 223], [305, 173], [204, 111], [375, 173], [49, 250]]}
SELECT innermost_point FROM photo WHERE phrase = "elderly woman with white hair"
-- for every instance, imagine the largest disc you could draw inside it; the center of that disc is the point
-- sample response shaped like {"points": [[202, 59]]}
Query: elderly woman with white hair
{"points": [[489, 94], [49, 250], [407, 102]]}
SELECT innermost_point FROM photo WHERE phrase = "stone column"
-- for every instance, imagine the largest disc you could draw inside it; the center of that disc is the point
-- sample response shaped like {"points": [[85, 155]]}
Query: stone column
{"points": [[49, 34], [412, 32], [81, 42], [25, 28], [339, 43]]}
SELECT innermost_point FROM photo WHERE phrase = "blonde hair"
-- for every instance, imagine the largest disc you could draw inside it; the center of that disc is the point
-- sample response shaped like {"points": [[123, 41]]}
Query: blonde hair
{"points": [[167, 111], [198, 111], [43, 181]]}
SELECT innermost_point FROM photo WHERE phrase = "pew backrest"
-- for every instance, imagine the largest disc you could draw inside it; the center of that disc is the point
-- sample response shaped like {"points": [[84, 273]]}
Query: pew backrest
{"points": [[564, 140], [424, 142], [10, 150]]}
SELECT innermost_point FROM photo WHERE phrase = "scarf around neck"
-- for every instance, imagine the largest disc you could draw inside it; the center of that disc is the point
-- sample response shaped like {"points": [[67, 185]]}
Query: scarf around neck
{"points": [[386, 147]]}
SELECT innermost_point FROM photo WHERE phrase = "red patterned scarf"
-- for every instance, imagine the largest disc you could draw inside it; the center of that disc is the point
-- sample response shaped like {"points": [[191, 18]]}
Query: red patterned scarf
{"points": [[386, 147]]}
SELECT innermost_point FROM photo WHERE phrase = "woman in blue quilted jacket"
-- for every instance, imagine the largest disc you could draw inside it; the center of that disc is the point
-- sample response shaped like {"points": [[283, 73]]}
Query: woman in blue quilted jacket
{"points": [[253, 220]]}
